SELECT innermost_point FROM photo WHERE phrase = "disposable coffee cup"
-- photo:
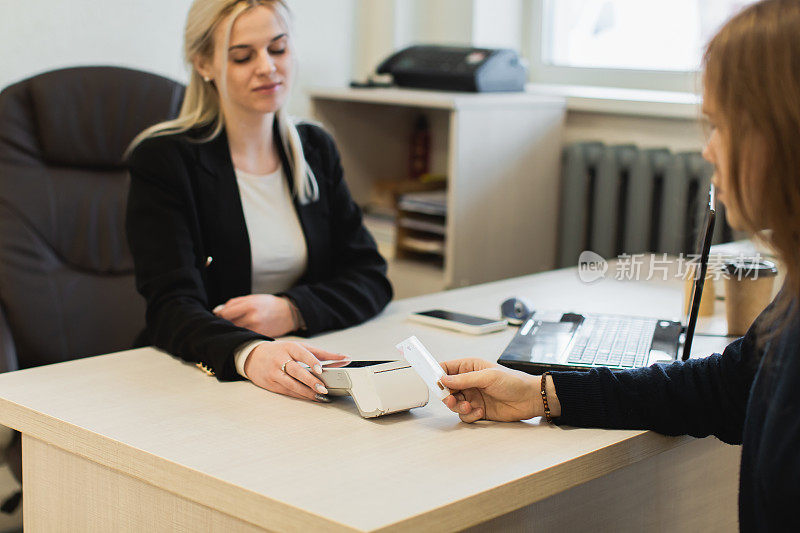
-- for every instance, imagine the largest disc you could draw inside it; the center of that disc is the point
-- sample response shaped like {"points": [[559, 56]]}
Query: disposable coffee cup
{"points": [[709, 294], [748, 291]]}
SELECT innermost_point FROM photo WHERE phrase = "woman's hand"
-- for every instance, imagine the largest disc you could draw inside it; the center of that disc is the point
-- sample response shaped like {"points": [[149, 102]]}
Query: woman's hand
{"points": [[484, 390], [265, 367], [263, 313]]}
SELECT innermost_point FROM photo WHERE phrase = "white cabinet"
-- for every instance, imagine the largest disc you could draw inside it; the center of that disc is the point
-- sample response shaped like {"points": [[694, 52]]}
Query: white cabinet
{"points": [[500, 152]]}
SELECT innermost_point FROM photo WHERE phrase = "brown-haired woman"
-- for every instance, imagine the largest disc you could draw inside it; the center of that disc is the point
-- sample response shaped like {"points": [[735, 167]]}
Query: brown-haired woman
{"points": [[749, 395]]}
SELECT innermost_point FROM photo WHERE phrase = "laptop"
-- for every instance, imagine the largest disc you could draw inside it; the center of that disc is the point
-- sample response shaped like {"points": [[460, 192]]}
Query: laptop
{"points": [[620, 342]]}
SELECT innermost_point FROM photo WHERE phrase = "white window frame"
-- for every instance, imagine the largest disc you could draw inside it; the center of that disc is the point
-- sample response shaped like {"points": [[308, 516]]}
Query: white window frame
{"points": [[544, 73]]}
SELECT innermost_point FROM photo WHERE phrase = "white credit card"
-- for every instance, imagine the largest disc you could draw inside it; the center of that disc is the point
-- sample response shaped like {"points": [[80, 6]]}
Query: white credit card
{"points": [[424, 365]]}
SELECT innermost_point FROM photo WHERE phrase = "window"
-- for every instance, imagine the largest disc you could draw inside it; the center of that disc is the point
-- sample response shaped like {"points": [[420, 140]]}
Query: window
{"points": [[656, 44]]}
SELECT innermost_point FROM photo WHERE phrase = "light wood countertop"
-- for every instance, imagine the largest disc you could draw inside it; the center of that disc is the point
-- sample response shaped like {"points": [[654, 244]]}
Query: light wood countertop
{"points": [[282, 463]]}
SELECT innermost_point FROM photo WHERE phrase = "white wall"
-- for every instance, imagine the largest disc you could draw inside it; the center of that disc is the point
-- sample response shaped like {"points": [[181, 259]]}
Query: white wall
{"points": [[377, 23], [325, 35], [677, 134], [498, 23], [40, 35], [440, 21]]}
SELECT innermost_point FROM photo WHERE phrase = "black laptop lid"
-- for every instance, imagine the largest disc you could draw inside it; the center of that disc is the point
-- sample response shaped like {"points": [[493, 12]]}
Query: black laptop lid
{"points": [[697, 291]]}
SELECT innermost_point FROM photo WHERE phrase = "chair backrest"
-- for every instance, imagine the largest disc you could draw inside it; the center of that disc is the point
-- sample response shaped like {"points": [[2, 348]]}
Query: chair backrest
{"points": [[66, 274]]}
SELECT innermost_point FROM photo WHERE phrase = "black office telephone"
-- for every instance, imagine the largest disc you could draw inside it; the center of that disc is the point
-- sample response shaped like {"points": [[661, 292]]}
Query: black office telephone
{"points": [[452, 68]]}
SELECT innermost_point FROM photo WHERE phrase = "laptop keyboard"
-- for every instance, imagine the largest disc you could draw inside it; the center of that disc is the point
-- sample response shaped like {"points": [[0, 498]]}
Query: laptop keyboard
{"points": [[622, 342]]}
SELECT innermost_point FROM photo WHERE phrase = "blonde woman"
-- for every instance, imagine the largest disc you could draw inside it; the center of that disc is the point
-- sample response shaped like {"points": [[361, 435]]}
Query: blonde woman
{"points": [[241, 226], [749, 395]]}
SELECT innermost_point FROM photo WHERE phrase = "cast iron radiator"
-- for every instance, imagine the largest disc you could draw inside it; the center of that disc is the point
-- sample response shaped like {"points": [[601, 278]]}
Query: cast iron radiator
{"points": [[623, 199]]}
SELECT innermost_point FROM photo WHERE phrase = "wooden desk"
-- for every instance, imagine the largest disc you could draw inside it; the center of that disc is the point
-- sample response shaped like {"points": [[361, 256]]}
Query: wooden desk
{"points": [[139, 441]]}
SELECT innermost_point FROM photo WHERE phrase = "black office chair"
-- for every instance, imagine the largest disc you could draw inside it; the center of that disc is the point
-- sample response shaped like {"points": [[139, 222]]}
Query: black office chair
{"points": [[66, 275]]}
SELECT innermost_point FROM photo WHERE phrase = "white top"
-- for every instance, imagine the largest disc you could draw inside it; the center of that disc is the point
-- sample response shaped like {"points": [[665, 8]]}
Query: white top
{"points": [[277, 243]]}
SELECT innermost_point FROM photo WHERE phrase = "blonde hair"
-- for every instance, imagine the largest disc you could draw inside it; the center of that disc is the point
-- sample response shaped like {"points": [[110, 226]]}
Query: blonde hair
{"points": [[201, 102], [752, 74]]}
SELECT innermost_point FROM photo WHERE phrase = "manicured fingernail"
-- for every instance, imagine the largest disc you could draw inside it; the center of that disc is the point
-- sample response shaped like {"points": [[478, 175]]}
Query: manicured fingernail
{"points": [[321, 389], [318, 369], [218, 308], [321, 398]]}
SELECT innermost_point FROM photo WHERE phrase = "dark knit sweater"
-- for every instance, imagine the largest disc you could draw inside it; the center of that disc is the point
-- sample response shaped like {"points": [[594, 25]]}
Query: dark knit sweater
{"points": [[749, 395]]}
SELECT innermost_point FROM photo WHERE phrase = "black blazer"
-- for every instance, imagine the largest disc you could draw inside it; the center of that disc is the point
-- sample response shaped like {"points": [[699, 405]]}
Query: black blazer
{"points": [[191, 250]]}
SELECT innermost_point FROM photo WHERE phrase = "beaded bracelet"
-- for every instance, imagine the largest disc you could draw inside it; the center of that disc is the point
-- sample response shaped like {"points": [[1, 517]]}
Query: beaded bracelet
{"points": [[544, 397]]}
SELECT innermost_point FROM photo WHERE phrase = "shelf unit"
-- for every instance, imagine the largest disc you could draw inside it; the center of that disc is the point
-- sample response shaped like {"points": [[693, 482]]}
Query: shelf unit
{"points": [[501, 156]]}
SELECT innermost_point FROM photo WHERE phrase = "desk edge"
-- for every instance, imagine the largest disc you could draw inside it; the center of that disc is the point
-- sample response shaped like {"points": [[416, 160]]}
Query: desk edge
{"points": [[262, 510]]}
